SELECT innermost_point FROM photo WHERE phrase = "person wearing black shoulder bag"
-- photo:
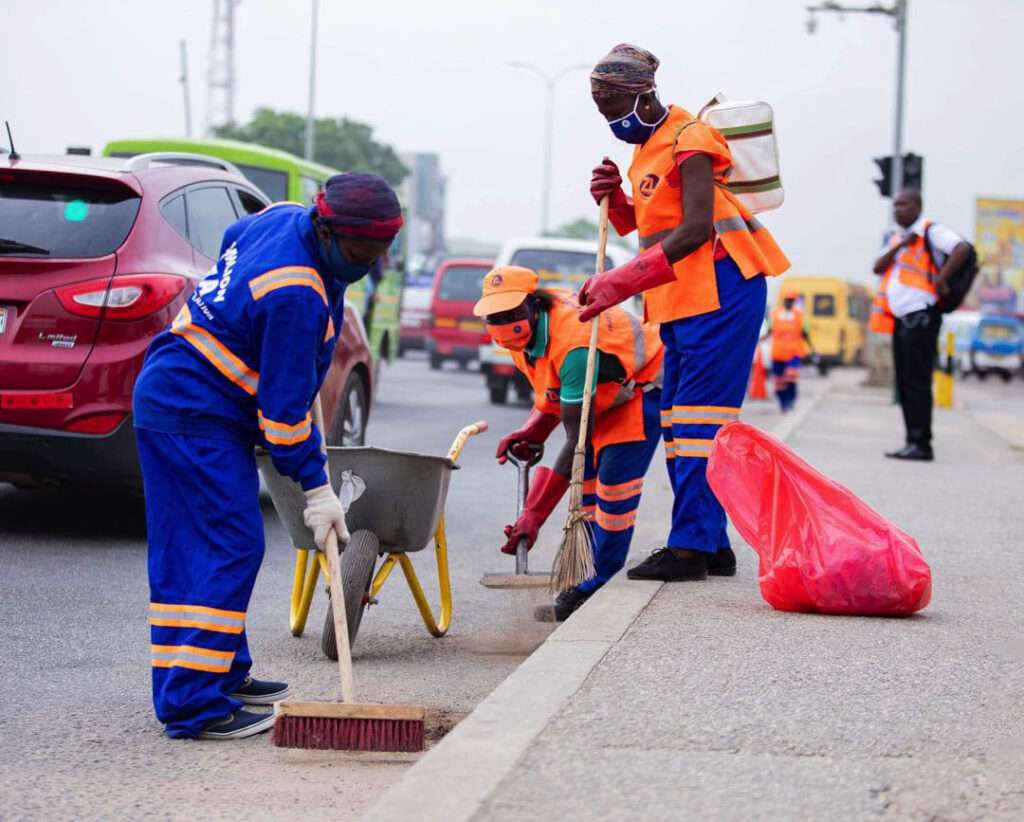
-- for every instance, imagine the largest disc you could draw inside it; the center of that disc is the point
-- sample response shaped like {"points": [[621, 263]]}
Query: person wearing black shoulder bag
{"points": [[921, 258]]}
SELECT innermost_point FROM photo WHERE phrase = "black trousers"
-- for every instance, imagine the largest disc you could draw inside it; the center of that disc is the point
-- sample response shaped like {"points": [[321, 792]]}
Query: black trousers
{"points": [[913, 350]]}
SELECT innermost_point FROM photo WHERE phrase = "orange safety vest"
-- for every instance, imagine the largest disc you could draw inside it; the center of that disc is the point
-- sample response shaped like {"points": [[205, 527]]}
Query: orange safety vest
{"points": [[657, 199], [618, 407], [787, 334], [915, 268]]}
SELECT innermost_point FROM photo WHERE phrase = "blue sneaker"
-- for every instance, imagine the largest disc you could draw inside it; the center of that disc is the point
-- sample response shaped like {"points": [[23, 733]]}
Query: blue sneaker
{"points": [[261, 692], [238, 725]]}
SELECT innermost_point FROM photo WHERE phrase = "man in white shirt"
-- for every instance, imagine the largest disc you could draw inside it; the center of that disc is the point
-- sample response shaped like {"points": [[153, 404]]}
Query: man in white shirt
{"points": [[919, 259]]}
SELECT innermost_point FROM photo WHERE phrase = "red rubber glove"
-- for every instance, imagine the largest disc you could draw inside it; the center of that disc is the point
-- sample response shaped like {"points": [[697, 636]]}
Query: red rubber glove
{"points": [[602, 291], [547, 490], [606, 180], [537, 429]]}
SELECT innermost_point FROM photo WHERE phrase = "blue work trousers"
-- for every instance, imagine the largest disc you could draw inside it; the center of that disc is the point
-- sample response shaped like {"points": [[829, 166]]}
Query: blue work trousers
{"points": [[785, 388], [707, 365], [611, 493], [205, 533]]}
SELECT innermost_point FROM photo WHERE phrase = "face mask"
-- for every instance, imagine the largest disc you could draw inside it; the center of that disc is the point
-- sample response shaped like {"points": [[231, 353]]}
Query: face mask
{"points": [[631, 129], [514, 336], [340, 267]]}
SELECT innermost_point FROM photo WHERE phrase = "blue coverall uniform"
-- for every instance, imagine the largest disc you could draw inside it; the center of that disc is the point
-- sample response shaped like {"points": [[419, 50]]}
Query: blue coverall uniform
{"points": [[239, 367]]}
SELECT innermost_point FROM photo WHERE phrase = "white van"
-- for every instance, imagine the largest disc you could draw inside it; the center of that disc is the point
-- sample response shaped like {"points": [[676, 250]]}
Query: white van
{"points": [[559, 263]]}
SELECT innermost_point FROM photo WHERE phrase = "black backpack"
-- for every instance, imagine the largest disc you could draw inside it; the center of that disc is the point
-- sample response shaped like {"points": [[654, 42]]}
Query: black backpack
{"points": [[960, 281]]}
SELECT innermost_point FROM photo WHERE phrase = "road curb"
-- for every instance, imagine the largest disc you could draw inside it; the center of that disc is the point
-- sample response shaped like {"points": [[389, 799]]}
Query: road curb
{"points": [[452, 781]]}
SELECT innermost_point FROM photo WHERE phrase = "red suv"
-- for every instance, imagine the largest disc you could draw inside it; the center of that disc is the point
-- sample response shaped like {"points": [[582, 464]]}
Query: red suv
{"points": [[96, 257], [455, 334]]}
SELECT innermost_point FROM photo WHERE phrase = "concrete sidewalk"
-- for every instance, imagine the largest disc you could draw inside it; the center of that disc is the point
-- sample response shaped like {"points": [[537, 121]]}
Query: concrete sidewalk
{"points": [[699, 701]]}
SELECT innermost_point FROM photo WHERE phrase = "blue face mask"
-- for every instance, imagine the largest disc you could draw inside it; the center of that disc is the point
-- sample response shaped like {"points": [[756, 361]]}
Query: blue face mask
{"points": [[631, 129], [340, 267]]}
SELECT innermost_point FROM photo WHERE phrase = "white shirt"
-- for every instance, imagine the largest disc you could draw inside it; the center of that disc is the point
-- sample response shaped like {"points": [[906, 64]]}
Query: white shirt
{"points": [[905, 299]]}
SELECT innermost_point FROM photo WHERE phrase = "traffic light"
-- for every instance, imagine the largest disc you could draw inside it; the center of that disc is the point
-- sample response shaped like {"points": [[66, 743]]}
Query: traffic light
{"points": [[913, 173]]}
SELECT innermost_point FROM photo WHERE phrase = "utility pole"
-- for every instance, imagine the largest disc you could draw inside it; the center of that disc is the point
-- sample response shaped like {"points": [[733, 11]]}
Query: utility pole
{"points": [[184, 89], [310, 122], [898, 11], [549, 126], [220, 76]]}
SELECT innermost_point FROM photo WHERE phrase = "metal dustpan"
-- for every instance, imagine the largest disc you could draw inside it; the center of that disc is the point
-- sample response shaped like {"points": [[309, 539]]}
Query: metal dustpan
{"points": [[402, 505], [523, 577]]}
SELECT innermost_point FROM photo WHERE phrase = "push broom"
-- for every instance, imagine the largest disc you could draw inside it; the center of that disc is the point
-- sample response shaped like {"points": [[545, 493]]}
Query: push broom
{"points": [[574, 561], [346, 725]]}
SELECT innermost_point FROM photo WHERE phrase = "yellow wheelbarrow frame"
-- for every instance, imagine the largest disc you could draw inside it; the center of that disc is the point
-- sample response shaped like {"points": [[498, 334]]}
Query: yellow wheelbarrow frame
{"points": [[308, 569]]}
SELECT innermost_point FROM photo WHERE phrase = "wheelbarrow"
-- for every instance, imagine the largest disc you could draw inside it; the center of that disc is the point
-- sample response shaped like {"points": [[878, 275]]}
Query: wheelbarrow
{"points": [[400, 513]]}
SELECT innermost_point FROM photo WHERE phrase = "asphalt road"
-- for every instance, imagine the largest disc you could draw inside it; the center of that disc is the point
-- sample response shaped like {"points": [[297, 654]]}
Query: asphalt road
{"points": [[77, 731]]}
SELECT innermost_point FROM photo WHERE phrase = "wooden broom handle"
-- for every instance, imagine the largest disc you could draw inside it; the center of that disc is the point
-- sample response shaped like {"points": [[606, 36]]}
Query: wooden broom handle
{"points": [[338, 612], [602, 244]]}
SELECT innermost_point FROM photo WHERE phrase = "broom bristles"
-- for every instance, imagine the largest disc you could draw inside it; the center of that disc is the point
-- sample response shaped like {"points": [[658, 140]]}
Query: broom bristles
{"points": [[349, 734], [574, 562]]}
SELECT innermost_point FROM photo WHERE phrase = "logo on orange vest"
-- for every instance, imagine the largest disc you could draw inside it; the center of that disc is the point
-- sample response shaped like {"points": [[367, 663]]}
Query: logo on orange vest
{"points": [[553, 395], [648, 184], [497, 280]]}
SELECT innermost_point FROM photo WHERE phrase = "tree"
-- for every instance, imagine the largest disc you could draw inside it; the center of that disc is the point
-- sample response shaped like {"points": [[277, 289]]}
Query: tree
{"points": [[341, 143], [579, 229]]}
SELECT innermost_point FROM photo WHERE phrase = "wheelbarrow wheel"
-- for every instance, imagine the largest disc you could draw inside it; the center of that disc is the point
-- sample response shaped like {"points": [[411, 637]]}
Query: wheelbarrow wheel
{"points": [[357, 563]]}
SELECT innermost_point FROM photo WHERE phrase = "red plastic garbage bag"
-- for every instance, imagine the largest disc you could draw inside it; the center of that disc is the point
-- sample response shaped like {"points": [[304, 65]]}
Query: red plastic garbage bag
{"points": [[821, 548]]}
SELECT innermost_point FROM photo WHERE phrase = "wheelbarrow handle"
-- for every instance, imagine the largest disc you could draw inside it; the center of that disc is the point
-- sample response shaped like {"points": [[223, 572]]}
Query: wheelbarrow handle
{"points": [[463, 436]]}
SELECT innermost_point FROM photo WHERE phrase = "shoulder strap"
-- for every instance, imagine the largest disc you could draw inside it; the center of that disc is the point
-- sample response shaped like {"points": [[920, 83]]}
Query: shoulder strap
{"points": [[928, 245], [679, 131]]}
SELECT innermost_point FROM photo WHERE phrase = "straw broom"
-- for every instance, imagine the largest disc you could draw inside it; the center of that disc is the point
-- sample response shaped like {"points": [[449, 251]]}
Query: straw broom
{"points": [[574, 561]]}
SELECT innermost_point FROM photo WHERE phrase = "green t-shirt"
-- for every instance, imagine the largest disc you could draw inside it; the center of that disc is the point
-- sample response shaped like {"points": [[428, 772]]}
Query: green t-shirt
{"points": [[573, 373]]}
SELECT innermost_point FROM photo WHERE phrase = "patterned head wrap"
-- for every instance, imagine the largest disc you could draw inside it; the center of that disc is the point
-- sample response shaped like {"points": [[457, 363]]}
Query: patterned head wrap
{"points": [[625, 69], [357, 204]]}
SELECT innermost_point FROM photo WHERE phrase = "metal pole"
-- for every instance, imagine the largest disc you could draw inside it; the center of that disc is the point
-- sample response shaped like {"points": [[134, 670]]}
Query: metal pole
{"points": [[549, 124], [901, 58], [184, 88], [310, 123]]}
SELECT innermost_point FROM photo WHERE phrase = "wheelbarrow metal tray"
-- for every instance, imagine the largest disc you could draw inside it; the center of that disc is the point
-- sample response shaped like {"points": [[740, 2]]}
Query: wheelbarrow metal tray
{"points": [[403, 502]]}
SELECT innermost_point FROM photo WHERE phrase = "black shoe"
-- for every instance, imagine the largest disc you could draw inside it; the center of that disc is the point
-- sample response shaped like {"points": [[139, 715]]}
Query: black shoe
{"points": [[913, 452], [566, 604], [722, 563], [667, 567], [261, 692], [238, 725]]}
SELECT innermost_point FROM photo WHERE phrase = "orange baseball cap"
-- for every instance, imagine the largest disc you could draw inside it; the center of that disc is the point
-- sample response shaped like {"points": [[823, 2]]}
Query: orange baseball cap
{"points": [[790, 293], [505, 287]]}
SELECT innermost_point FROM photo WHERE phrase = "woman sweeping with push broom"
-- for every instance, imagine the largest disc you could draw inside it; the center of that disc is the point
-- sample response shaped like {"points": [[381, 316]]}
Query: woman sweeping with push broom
{"points": [[702, 277], [549, 345], [241, 366]]}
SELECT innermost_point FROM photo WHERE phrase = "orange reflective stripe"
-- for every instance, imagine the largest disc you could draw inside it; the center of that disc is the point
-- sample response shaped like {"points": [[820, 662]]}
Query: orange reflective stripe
{"points": [[196, 616], [287, 276], [666, 418], [191, 656], [219, 355], [621, 491], [281, 433], [330, 329], [589, 486], [692, 447], [615, 522], [704, 414]]}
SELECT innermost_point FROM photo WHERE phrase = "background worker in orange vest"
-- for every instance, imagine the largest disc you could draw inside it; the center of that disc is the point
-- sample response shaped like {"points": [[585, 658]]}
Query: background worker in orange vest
{"points": [[703, 280], [790, 344], [919, 258], [549, 346]]}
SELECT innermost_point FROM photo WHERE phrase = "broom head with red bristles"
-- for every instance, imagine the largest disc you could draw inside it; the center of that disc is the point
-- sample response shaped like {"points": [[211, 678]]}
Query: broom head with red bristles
{"points": [[344, 726]]}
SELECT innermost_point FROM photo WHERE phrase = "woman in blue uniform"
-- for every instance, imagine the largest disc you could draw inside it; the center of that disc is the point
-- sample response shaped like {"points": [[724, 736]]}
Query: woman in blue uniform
{"points": [[240, 367]]}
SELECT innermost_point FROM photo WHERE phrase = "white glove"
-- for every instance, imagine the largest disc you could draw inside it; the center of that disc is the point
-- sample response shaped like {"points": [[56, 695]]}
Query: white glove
{"points": [[323, 512]]}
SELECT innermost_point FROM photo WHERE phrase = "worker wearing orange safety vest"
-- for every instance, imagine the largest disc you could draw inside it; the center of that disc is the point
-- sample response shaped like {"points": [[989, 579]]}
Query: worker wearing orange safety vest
{"points": [[702, 274], [789, 346], [549, 345], [920, 257]]}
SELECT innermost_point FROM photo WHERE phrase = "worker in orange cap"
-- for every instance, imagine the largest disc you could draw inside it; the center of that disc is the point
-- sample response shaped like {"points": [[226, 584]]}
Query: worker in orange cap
{"points": [[790, 344], [549, 346]]}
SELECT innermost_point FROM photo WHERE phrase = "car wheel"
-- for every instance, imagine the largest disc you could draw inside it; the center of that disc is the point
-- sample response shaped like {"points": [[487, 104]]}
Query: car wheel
{"points": [[349, 428], [436, 361], [498, 392], [357, 563]]}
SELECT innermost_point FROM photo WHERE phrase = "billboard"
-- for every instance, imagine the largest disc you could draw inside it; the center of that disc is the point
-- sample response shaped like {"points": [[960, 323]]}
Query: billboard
{"points": [[999, 238]]}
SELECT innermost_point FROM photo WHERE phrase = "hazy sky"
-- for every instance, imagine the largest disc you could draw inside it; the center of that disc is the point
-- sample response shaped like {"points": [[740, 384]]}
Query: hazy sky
{"points": [[431, 76]]}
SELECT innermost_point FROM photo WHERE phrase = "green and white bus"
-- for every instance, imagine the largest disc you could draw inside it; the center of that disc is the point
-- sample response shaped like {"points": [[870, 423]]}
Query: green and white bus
{"points": [[283, 176]]}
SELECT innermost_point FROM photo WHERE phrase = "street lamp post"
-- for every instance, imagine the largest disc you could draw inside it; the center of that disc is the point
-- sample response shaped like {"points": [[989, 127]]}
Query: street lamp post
{"points": [[550, 81], [310, 122], [898, 11]]}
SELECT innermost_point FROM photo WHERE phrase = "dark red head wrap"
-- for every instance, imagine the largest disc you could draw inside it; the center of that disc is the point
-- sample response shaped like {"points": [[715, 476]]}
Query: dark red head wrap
{"points": [[357, 204]]}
